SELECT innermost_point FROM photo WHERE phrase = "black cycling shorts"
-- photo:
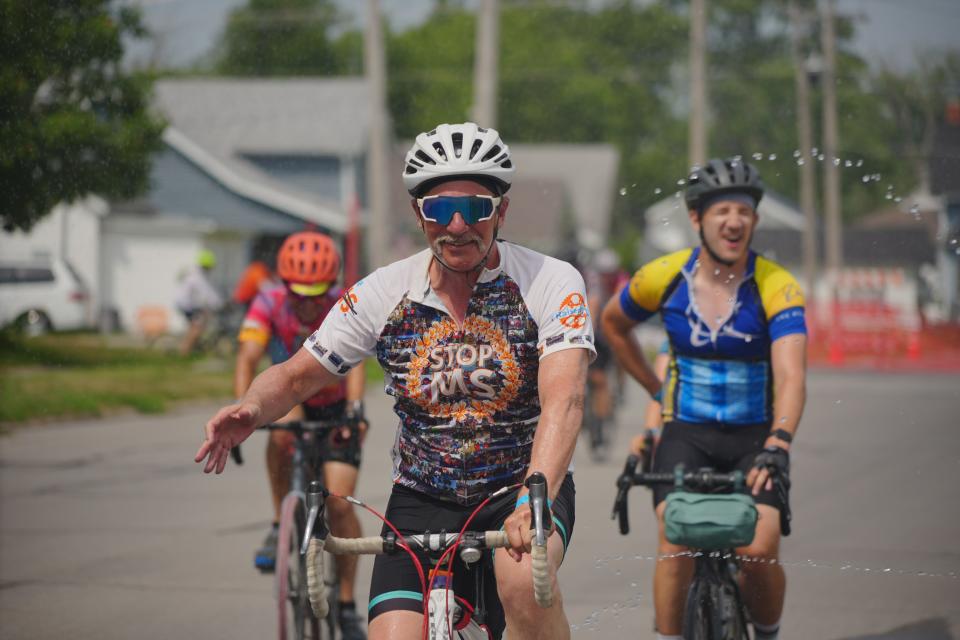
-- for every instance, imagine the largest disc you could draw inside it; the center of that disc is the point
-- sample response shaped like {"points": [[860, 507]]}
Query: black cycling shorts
{"points": [[723, 448], [334, 448], [395, 585]]}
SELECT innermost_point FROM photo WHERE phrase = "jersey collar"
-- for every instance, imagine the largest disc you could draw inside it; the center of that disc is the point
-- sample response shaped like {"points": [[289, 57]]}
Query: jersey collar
{"points": [[691, 264], [418, 283]]}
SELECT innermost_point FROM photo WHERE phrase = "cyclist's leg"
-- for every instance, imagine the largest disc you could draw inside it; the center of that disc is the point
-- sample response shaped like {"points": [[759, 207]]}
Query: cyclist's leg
{"points": [[341, 478], [765, 583], [680, 442], [279, 459], [524, 617]]}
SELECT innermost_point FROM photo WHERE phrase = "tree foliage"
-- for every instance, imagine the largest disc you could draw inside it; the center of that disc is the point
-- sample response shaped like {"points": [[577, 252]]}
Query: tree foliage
{"points": [[72, 121], [281, 38]]}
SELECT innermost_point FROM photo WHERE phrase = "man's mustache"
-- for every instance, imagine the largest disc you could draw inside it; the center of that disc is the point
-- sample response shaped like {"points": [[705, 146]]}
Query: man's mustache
{"points": [[465, 238]]}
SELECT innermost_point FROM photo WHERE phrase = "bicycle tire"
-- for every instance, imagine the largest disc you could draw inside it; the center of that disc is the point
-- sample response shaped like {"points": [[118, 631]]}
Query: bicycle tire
{"points": [[697, 614], [295, 620]]}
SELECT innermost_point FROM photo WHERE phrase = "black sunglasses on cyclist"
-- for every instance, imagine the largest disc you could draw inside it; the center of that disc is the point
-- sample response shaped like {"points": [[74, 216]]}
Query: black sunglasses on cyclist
{"points": [[474, 209]]}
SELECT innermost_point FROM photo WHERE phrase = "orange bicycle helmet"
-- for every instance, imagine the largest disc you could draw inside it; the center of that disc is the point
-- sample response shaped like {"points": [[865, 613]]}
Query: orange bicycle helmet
{"points": [[308, 257]]}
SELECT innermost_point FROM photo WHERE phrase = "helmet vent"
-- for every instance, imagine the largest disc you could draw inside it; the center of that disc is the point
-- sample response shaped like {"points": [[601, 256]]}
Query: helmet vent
{"points": [[439, 149], [476, 147], [507, 165], [490, 154], [422, 157], [457, 144]]}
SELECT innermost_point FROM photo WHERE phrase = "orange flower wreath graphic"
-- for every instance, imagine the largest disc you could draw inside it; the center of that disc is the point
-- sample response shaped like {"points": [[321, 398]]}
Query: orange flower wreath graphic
{"points": [[486, 333]]}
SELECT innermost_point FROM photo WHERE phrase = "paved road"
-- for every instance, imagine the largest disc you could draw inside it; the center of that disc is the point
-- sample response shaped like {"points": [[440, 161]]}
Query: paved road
{"points": [[109, 531]]}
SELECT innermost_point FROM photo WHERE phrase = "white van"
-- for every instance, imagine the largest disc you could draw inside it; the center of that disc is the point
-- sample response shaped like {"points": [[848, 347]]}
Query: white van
{"points": [[41, 295]]}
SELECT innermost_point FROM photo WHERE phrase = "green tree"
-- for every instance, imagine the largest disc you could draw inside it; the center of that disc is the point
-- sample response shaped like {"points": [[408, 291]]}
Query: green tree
{"points": [[282, 38], [753, 104], [72, 122]]}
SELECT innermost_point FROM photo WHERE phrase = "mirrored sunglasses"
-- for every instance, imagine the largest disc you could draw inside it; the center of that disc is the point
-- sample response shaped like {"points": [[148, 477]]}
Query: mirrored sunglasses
{"points": [[474, 209]]}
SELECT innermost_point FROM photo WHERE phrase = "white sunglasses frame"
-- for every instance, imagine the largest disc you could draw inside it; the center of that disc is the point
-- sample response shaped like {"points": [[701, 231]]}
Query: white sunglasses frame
{"points": [[496, 205]]}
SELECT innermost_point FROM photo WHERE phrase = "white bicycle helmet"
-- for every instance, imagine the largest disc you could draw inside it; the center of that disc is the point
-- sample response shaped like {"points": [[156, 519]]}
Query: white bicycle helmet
{"points": [[457, 150]]}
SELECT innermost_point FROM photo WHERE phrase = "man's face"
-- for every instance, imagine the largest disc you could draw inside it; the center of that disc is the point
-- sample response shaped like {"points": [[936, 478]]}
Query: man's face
{"points": [[460, 245], [726, 228]]}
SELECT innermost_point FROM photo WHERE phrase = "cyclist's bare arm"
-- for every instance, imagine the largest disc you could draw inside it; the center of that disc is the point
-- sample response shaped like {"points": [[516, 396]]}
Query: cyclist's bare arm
{"points": [[618, 330], [248, 357], [788, 360], [272, 394], [653, 418], [561, 379]]}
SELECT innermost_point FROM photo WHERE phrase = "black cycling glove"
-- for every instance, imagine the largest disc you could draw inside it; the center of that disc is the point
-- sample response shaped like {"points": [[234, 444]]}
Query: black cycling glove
{"points": [[775, 460]]}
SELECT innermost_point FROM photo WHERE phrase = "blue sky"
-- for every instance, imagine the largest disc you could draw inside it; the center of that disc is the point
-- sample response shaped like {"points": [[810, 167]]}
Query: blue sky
{"points": [[889, 31]]}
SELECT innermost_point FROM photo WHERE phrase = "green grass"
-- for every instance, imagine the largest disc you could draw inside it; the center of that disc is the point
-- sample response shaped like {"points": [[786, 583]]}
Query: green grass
{"points": [[74, 375], [78, 375]]}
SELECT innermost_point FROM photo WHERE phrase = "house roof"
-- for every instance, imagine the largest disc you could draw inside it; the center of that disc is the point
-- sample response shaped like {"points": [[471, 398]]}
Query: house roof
{"points": [[587, 173], [220, 124]]}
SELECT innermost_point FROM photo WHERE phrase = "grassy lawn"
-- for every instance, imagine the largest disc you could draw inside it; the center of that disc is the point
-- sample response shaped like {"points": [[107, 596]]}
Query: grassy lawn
{"points": [[75, 375]]}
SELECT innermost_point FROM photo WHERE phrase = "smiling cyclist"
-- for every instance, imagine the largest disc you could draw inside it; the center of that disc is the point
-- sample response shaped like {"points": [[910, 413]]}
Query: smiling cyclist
{"points": [[735, 384], [278, 321], [485, 346]]}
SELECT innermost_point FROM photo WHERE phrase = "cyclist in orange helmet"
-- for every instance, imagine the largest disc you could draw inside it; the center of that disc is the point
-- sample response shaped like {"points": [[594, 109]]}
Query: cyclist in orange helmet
{"points": [[279, 320]]}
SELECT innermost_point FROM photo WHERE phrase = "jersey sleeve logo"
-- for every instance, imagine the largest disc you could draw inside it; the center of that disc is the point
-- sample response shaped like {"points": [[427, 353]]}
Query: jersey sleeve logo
{"points": [[459, 379], [348, 302], [573, 311]]}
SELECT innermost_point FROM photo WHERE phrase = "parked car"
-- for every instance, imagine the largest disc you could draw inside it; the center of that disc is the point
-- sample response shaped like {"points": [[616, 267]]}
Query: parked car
{"points": [[41, 294]]}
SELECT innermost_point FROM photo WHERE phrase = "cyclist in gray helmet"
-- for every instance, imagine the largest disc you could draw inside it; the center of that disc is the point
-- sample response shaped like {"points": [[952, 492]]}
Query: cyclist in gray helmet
{"points": [[735, 384]]}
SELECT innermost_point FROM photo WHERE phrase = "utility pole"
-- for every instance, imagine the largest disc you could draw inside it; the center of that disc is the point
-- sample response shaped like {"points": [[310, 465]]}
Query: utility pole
{"points": [[831, 161], [378, 158], [798, 28], [485, 64], [697, 127]]}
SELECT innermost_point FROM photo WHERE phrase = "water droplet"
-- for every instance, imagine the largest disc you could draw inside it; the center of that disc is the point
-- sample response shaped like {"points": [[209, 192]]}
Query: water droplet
{"points": [[814, 152], [665, 221], [848, 163], [681, 182], [866, 179], [748, 339], [678, 194], [716, 272], [758, 156], [877, 177], [633, 185], [889, 196], [954, 241], [820, 157], [801, 162], [915, 209], [797, 153], [730, 299], [836, 162], [860, 162], [887, 570], [657, 191], [772, 157], [623, 191], [838, 401], [898, 199]]}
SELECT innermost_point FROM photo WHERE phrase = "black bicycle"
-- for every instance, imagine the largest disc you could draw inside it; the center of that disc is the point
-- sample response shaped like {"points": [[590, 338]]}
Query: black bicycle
{"points": [[714, 608], [311, 446]]}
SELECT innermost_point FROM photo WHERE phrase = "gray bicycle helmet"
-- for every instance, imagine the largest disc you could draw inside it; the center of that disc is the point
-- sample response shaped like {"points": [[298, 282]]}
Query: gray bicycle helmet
{"points": [[454, 151], [717, 177]]}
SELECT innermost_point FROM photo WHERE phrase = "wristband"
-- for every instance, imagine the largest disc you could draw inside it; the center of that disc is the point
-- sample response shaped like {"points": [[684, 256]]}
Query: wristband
{"points": [[658, 396], [782, 434], [522, 500]]}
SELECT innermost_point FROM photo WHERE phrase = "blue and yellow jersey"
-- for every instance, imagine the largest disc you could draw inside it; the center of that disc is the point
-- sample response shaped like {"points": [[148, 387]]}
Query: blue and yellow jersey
{"points": [[719, 375]]}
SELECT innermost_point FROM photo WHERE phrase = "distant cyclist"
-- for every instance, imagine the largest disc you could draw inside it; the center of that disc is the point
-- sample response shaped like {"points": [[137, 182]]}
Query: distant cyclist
{"points": [[278, 322], [197, 299], [735, 384], [485, 346], [603, 277]]}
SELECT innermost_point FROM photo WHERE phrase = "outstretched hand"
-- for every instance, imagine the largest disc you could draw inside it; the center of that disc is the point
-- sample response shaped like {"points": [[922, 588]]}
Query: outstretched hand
{"points": [[228, 428]]}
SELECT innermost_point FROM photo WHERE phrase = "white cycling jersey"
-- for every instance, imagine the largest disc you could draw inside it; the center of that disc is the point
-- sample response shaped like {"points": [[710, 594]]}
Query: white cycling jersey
{"points": [[466, 395]]}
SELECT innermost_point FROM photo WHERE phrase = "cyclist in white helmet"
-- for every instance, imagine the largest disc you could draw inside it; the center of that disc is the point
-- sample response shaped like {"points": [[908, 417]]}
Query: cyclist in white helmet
{"points": [[485, 346]]}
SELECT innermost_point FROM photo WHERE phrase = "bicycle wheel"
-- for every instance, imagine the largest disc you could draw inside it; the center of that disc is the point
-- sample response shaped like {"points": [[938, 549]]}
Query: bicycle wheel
{"points": [[295, 619], [698, 614]]}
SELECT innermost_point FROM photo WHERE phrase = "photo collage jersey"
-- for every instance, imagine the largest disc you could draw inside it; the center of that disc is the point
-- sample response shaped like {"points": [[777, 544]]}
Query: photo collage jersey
{"points": [[466, 395], [720, 375], [272, 323]]}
